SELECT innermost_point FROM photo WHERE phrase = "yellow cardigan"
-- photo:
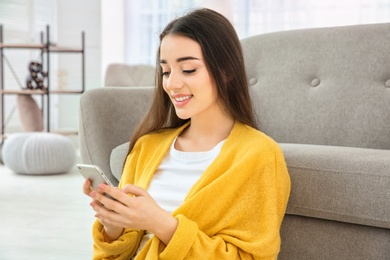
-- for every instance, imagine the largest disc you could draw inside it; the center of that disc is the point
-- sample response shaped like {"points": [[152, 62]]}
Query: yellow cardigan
{"points": [[234, 211]]}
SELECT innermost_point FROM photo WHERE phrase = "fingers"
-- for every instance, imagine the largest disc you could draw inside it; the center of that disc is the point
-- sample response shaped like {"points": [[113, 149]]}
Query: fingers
{"points": [[109, 197], [111, 192], [121, 204], [135, 190], [102, 213], [87, 189], [138, 211], [103, 206], [107, 210], [119, 194]]}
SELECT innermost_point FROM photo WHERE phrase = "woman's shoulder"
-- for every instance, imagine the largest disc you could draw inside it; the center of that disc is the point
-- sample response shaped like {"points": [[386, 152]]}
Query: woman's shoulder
{"points": [[252, 139]]}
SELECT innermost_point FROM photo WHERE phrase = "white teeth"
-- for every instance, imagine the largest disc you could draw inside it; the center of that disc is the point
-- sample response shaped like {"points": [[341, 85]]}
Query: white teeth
{"points": [[181, 99]]}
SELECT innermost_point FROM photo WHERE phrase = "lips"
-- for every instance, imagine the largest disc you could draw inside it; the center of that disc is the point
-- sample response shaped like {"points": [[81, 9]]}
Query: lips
{"points": [[182, 98]]}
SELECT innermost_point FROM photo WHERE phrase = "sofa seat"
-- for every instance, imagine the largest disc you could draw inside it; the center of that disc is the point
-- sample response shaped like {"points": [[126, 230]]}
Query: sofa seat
{"points": [[329, 182], [339, 183]]}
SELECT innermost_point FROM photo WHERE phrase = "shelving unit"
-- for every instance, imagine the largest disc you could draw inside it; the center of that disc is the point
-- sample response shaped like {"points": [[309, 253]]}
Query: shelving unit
{"points": [[46, 49]]}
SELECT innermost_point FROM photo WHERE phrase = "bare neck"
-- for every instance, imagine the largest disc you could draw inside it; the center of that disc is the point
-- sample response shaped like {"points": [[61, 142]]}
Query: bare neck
{"points": [[204, 135]]}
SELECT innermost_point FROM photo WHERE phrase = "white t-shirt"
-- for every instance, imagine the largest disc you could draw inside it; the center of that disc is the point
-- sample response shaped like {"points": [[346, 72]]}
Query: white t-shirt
{"points": [[175, 176], [177, 173]]}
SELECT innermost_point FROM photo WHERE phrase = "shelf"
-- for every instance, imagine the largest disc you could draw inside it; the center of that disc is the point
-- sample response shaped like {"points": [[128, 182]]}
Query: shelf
{"points": [[58, 91], [46, 48], [52, 48], [23, 92], [38, 92], [22, 46]]}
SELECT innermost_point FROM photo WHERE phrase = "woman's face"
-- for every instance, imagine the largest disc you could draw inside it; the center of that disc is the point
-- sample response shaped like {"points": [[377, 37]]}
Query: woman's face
{"points": [[186, 79]]}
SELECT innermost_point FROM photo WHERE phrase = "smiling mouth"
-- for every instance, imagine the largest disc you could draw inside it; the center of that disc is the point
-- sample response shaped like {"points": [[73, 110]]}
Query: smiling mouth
{"points": [[181, 99]]}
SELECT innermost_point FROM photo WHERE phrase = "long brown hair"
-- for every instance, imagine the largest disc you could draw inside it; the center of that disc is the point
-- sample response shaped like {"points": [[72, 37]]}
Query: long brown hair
{"points": [[224, 60]]}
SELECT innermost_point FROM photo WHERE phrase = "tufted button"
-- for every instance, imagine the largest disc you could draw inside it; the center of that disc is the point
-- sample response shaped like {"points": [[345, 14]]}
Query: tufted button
{"points": [[387, 84], [252, 81], [315, 82]]}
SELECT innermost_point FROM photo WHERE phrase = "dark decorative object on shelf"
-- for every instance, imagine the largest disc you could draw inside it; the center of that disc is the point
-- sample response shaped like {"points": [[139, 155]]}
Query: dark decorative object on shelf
{"points": [[37, 76]]}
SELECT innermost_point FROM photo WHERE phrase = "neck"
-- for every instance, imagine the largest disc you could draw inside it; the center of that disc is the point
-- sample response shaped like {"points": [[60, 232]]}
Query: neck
{"points": [[202, 135]]}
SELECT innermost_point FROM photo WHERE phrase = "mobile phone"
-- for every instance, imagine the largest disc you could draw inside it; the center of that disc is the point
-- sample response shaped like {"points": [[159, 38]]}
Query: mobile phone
{"points": [[95, 175]]}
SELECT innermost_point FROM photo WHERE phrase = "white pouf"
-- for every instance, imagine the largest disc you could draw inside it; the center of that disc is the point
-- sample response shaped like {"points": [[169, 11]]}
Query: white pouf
{"points": [[38, 153]]}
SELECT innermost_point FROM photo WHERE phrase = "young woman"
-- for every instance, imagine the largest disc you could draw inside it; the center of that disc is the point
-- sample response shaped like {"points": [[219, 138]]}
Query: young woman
{"points": [[200, 181]]}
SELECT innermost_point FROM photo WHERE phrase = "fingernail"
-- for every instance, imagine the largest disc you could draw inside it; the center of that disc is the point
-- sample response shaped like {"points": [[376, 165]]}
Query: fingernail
{"points": [[93, 194], [101, 186]]}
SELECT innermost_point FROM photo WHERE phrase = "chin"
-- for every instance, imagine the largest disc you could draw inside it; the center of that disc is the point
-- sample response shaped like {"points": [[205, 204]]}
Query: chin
{"points": [[182, 116]]}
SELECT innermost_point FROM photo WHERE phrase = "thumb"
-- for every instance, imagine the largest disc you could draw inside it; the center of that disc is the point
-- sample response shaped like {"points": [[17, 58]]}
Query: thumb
{"points": [[135, 190]]}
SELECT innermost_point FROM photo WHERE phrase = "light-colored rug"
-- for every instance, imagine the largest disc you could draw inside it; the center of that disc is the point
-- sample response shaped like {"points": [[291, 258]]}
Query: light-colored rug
{"points": [[44, 217]]}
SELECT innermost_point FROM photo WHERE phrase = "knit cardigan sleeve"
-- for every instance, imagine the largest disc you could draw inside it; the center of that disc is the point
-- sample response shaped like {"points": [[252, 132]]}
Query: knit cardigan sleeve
{"points": [[139, 168], [122, 248], [127, 244]]}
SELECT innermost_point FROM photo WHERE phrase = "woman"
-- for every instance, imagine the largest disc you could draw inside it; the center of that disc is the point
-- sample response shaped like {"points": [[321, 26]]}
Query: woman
{"points": [[200, 181]]}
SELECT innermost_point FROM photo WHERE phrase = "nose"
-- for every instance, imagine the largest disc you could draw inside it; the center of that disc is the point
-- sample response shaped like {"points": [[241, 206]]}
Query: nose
{"points": [[173, 81]]}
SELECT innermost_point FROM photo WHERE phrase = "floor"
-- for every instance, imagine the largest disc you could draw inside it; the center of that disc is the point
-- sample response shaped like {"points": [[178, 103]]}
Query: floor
{"points": [[44, 217]]}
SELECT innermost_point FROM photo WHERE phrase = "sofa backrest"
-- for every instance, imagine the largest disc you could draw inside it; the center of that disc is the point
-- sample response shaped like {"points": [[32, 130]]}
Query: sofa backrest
{"points": [[126, 75], [328, 86]]}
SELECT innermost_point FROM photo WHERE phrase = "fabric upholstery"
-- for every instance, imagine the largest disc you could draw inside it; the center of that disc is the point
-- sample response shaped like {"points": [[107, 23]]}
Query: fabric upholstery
{"points": [[117, 159], [355, 176], [323, 86], [106, 122], [125, 75], [305, 238], [339, 183], [38, 153]]}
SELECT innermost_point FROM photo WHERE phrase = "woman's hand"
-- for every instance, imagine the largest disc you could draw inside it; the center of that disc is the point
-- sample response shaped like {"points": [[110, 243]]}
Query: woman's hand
{"points": [[111, 233], [87, 188], [134, 208]]}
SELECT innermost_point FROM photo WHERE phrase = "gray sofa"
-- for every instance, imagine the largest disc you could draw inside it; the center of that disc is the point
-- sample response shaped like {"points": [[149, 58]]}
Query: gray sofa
{"points": [[324, 95]]}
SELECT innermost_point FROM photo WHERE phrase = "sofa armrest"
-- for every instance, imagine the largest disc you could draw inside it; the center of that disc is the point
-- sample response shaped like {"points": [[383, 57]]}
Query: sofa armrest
{"points": [[108, 117]]}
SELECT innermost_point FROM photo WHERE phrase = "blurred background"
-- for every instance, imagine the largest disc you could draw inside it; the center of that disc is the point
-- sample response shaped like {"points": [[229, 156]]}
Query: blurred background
{"points": [[126, 31]]}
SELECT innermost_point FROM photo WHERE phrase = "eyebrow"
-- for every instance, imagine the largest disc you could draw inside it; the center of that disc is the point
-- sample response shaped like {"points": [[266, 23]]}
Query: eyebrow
{"points": [[180, 59]]}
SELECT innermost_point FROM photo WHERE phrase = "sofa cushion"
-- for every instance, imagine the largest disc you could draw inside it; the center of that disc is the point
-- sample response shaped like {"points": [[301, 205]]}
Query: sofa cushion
{"points": [[310, 87], [117, 159], [339, 183]]}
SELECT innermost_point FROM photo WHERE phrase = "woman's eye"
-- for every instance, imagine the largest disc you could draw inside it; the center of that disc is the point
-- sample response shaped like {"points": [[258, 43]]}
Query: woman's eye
{"points": [[165, 73], [189, 71]]}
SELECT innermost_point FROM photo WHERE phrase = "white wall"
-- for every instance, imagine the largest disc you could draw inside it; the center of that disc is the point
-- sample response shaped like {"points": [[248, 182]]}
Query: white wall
{"points": [[75, 16], [113, 33]]}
